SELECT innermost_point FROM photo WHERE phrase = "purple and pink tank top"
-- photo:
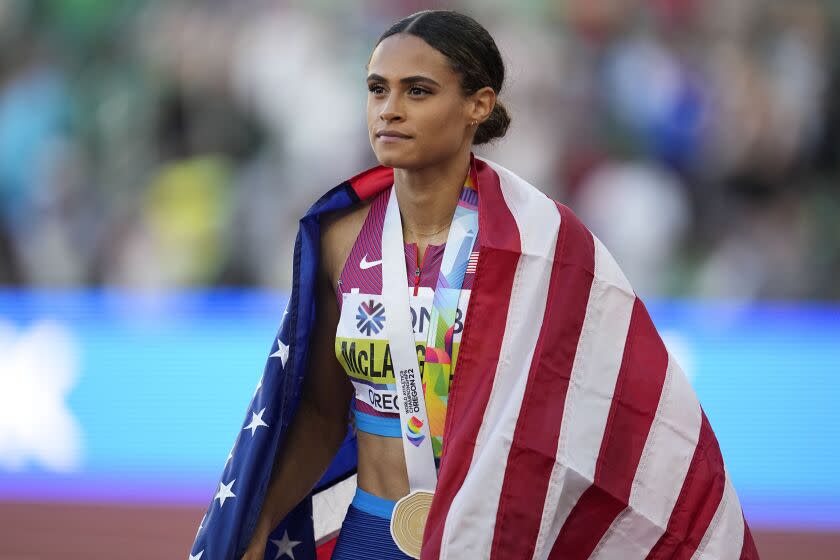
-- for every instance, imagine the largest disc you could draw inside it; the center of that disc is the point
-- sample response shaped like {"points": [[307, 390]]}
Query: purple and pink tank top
{"points": [[361, 341]]}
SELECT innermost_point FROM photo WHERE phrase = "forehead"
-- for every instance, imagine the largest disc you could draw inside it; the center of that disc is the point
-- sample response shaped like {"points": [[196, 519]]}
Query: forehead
{"points": [[408, 55]]}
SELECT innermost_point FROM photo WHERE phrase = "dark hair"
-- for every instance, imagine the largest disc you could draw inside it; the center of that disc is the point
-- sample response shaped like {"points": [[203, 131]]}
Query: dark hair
{"points": [[471, 51]]}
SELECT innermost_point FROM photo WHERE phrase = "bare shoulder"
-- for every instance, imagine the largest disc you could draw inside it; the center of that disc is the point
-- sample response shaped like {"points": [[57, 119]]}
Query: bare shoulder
{"points": [[339, 230]]}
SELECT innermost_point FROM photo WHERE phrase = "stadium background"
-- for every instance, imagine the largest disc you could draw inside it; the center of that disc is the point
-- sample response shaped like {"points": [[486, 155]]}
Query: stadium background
{"points": [[155, 157]]}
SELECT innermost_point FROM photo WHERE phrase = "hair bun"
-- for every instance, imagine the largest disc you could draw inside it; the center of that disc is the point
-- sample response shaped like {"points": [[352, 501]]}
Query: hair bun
{"points": [[495, 126]]}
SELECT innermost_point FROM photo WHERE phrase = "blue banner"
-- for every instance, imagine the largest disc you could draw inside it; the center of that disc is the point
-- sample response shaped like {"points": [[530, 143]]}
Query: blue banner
{"points": [[111, 396]]}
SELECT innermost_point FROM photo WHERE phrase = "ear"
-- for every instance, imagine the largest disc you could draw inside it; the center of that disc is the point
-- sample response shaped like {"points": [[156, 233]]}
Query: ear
{"points": [[481, 104]]}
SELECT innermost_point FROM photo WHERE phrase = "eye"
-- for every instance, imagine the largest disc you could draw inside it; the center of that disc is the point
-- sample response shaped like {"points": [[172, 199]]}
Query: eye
{"points": [[376, 89], [417, 90]]}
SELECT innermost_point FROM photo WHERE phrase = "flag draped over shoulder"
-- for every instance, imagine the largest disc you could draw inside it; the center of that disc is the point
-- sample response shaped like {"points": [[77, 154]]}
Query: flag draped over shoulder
{"points": [[570, 431]]}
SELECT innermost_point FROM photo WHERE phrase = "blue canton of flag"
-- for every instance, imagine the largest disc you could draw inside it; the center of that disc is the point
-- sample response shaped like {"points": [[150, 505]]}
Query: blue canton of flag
{"points": [[227, 526]]}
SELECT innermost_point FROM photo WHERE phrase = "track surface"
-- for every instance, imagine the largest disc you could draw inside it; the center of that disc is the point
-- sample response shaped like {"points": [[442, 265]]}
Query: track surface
{"points": [[30, 531]]}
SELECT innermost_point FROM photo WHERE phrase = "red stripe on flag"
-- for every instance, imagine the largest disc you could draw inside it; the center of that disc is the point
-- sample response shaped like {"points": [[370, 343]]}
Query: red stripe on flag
{"points": [[698, 501], [748, 550], [532, 452], [499, 252], [633, 408], [371, 182], [324, 551], [584, 527]]}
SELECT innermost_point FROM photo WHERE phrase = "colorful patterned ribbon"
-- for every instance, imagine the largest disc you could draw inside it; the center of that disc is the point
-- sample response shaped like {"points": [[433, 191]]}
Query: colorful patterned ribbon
{"points": [[439, 364]]}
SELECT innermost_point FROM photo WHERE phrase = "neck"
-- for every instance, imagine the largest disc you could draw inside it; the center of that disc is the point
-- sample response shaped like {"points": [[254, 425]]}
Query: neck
{"points": [[428, 198]]}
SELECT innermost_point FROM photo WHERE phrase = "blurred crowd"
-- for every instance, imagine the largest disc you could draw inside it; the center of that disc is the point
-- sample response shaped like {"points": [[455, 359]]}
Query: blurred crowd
{"points": [[168, 144]]}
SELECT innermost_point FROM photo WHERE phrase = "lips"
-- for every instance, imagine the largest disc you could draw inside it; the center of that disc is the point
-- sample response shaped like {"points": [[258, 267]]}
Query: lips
{"points": [[392, 134]]}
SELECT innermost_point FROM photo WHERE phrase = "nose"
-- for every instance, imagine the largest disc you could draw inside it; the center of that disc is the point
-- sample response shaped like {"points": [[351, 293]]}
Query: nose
{"points": [[391, 110]]}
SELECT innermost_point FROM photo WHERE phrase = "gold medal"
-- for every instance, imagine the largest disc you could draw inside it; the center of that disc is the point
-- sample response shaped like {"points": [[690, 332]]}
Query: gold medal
{"points": [[409, 520]]}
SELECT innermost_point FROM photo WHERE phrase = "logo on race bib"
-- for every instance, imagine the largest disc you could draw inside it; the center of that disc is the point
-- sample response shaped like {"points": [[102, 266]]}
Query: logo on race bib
{"points": [[365, 264], [370, 317], [414, 436]]}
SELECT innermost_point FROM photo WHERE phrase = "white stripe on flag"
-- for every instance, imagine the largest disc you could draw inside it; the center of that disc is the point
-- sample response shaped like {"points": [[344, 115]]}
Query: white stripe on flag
{"points": [[627, 538], [725, 535], [588, 401], [662, 469], [468, 532]]}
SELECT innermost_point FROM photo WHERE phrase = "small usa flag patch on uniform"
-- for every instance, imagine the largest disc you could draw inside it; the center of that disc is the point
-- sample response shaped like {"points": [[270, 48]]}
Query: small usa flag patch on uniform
{"points": [[471, 264]]}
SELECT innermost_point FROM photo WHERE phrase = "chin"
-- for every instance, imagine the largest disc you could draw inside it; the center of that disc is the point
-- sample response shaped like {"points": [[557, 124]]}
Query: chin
{"points": [[395, 158]]}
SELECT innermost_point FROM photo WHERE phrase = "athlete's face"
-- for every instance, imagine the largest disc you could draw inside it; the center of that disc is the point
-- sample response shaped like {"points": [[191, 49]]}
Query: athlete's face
{"points": [[415, 95]]}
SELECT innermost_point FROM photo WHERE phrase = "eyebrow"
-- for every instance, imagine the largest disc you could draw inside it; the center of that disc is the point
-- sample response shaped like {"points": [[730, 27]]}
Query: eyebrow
{"points": [[406, 80]]}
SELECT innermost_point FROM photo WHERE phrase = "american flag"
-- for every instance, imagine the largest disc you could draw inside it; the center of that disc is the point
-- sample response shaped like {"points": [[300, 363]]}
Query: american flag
{"points": [[570, 432], [472, 262]]}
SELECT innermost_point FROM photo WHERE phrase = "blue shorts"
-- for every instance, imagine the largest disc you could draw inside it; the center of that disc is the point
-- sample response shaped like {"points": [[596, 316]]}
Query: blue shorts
{"points": [[366, 530]]}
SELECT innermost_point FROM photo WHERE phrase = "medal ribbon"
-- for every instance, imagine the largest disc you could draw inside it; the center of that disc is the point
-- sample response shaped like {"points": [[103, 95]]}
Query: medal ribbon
{"points": [[440, 348], [423, 408]]}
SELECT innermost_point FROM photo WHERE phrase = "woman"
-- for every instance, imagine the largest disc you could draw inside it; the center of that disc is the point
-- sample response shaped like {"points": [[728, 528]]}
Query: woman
{"points": [[425, 111], [567, 431]]}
